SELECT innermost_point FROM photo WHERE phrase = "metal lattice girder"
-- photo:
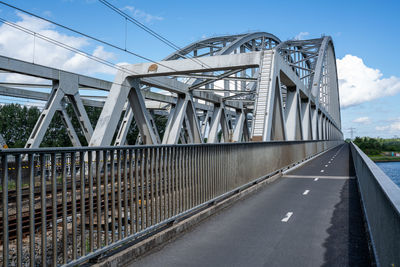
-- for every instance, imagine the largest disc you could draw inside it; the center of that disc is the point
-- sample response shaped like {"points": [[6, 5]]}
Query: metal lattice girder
{"points": [[68, 125], [124, 128], [81, 114], [306, 119], [314, 122], [293, 121], [144, 120], [122, 89], [183, 110], [67, 85], [241, 131], [218, 121], [45, 117], [223, 45], [205, 122], [184, 66], [255, 72]]}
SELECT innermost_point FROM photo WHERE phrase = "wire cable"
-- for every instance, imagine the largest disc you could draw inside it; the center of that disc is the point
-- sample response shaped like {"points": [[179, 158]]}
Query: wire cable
{"points": [[73, 49], [150, 31], [80, 33], [110, 64]]}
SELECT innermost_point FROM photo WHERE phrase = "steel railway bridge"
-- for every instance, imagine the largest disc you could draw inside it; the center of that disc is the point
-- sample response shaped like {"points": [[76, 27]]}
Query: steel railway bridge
{"points": [[243, 110]]}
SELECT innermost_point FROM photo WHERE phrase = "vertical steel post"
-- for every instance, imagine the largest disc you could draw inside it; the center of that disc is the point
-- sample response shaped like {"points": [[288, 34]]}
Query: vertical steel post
{"points": [[126, 188], [137, 188], [64, 208], [5, 210], [119, 194], [83, 197], [19, 209], [106, 184], [91, 189], [157, 194], [112, 166], [98, 197], [54, 206], [142, 204], [152, 181], [32, 253], [73, 185], [43, 206], [131, 188]]}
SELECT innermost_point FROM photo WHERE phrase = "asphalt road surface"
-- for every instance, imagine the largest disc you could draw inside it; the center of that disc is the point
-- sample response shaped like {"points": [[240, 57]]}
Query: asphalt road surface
{"points": [[310, 217]]}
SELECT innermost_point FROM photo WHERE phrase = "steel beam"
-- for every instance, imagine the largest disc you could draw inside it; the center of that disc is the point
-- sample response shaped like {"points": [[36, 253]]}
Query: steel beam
{"points": [[185, 66]]}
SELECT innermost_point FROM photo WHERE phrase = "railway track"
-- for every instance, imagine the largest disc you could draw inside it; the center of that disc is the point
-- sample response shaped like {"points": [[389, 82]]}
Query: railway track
{"points": [[12, 221]]}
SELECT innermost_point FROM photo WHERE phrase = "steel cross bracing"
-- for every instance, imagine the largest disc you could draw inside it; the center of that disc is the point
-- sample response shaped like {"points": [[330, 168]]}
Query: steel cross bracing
{"points": [[249, 87]]}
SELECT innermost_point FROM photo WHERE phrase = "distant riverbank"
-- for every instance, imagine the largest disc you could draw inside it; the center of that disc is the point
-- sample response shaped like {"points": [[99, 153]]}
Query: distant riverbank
{"points": [[384, 159]]}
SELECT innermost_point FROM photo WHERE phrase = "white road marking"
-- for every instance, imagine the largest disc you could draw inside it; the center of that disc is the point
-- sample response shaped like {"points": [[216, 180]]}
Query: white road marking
{"points": [[306, 192], [316, 176], [322, 170], [326, 165], [287, 217], [316, 179], [329, 162]]}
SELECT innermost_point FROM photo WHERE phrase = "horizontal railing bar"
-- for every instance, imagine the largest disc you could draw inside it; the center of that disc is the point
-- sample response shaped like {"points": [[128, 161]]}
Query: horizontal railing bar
{"points": [[12, 151]]}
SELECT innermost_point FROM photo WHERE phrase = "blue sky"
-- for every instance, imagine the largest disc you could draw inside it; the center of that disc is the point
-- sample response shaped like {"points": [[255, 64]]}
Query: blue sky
{"points": [[365, 31]]}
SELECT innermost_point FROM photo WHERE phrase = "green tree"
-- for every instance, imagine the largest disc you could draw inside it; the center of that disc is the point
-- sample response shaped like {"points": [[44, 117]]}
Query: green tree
{"points": [[17, 122]]}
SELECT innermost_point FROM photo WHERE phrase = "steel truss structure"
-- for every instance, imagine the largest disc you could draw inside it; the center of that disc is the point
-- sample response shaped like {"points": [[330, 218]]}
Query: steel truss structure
{"points": [[237, 88]]}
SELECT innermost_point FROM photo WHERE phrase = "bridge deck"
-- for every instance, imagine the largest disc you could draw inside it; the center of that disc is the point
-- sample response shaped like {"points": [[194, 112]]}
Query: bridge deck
{"points": [[296, 221]]}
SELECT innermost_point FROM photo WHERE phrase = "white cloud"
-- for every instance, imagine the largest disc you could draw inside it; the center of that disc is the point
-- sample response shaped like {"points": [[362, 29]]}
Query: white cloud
{"points": [[359, 83], [48, 13], [392, 127], [363, 120], [141, 15], [301, 35], [17, 44], [382, 128]]}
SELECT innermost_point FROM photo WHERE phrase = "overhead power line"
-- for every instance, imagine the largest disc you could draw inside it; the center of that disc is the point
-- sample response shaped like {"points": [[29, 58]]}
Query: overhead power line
{"points": [[140, 25], [150, 31], [72, 49], [79, 32], [156, 35], [102, 61]]}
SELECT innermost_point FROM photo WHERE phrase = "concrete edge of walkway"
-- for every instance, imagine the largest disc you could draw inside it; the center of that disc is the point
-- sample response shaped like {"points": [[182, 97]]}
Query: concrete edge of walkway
{"points": [[141, 248]]}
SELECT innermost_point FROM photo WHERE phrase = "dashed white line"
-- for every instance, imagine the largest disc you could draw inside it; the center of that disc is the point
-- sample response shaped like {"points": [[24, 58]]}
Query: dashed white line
{"points": [[316, 179], [287, 217], [326, 165], [306, 192], [322, 170]]}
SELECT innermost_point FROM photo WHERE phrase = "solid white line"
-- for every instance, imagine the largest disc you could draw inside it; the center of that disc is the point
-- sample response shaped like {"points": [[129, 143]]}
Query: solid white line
{"points": [[322, 170], [287, 217], [306, 192], [316, 179]]}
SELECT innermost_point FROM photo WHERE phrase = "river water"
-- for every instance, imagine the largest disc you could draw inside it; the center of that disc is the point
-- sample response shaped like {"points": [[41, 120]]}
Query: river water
{"points": [[392, 169]]}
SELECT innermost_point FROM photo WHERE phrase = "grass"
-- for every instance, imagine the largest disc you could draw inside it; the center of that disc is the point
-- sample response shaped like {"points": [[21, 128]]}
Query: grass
{"points": [[12, 185]]}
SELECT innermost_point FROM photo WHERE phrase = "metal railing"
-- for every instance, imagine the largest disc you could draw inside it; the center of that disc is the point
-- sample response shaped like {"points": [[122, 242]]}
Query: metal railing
{"points": [[63, 206], [381, 203]]}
